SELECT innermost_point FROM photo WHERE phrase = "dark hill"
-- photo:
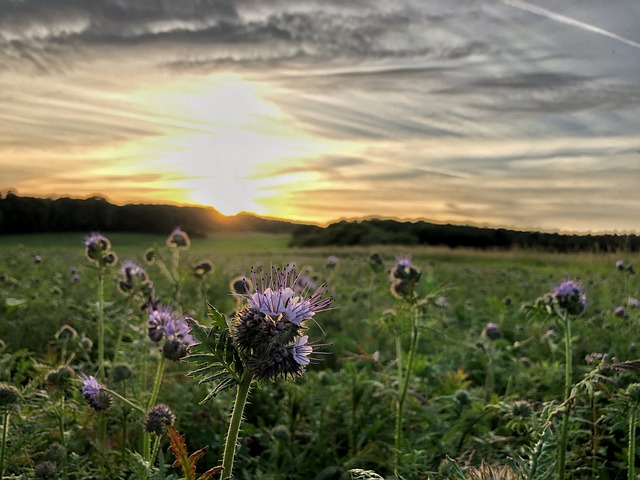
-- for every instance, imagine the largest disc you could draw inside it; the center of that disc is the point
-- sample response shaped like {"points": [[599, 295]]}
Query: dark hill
{"points": [[32, 215]]}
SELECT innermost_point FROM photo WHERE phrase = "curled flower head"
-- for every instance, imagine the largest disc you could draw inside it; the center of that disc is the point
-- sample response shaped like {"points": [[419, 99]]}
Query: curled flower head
{"points": [[98, 250], [156, 321], [269, 331], [158, 418], [9, 396], [177, 339], [404, 277], [202, 268], [150, 256], [134, 279], [375, 262], [491, 331], [332, 261], [178, 239], [619, 264], [239, 286], [569, 297], [93, 393], [619, 311]]}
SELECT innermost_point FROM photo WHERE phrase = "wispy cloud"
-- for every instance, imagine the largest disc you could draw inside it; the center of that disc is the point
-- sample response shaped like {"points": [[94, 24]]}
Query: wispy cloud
{"points": [[506, 112]]}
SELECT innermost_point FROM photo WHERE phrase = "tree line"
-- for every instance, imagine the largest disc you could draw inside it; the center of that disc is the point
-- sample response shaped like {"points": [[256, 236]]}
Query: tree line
{"points": [[383, 232], [20, 214]]}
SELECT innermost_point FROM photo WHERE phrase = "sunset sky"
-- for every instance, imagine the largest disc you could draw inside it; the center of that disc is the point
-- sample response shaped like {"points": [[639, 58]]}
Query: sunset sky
{"points": [[510, 113]]}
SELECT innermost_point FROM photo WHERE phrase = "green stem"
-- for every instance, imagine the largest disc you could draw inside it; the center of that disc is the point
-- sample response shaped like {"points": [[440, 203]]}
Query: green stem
{"points": [[404, 387], [234, 425], [631, 458], [123, 326], [124, 399], [100, 324], [568, 371], [156, 447], [146, 448], [5, 431]]}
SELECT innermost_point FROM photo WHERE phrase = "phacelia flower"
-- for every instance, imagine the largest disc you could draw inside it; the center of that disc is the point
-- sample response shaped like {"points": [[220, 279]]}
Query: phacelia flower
{"points": [[133, 279], [269, 331], [375, 262], [46, 470], [94, 395], [158, 418], [633, 303], [277, 297], [97, 247], [202, 268], [66, 332], [239, 286], [620, 265], [491, 331], [9, 396], [156, 321], [150, 256], [177, 339], [178, 239], [404, 276], [619, 311], [332, 261], [60, 378], [569, 297]]}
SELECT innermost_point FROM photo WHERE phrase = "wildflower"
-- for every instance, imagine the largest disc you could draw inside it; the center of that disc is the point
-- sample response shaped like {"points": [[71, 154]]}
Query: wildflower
{"points": [[9, 396], [110, 259], [619, 311], [620, 265], [60, 378], [491, 331], [332, 261], [633, 302], [134, 278], [375, 262], [404, 276], [442, 301], [569, 297], [202, 268], [178, 239], [150, 256], [75, 278], [240, 285], [521, 409], [37, 259], [94, 395], [158, 418], [269, 331], [158, 318], [66, 332], [177, 338], [96, 247], [45, 470]]}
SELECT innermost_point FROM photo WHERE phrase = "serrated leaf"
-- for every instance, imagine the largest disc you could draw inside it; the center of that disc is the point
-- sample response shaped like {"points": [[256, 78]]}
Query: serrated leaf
{"points": [[359, 474], [210, 473], [179, 450], [217, 319]]}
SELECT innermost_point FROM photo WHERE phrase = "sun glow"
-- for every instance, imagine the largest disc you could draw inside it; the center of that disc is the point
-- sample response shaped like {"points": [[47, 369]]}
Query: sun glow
{"points": [[223, 136]]}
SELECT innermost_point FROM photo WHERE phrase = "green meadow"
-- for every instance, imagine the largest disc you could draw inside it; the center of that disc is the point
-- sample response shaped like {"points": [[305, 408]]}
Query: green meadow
{"points": [[473, 369]]}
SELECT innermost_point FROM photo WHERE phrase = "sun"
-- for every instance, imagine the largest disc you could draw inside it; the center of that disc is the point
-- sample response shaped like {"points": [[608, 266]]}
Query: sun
{"points": [[220, 135]]}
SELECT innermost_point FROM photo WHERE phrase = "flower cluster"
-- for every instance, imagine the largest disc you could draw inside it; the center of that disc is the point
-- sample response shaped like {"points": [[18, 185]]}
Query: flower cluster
{"points": [[158, 418], [94, 393], [404, 276], [269, 331], [134, 279], [569, 297], [98, 250], [491, 331], [178, 239], [332, 261], [163, 324]]}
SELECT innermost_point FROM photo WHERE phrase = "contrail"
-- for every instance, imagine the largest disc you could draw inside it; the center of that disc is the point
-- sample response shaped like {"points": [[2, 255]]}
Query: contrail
{"points": [[543, 12]]}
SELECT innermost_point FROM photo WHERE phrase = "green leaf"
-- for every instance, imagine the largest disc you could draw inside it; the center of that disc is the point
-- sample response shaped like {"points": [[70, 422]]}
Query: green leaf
{"points": [[359, 474]]}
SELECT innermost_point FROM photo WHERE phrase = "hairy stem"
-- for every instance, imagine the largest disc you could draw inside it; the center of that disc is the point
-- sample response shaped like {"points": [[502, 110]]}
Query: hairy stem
{"points": [[631, 451], [402, 393], [234, 424], [5, 431], [101, 323], [146, 449], [568, 371]]}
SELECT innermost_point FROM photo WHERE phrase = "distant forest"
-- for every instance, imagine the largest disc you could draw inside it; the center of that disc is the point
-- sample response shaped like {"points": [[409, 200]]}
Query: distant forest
{"points": [[377, 232], [34, 215]]}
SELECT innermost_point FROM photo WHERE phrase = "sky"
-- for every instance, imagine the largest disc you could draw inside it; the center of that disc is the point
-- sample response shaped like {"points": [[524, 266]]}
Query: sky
{"points": [[508, 113]]}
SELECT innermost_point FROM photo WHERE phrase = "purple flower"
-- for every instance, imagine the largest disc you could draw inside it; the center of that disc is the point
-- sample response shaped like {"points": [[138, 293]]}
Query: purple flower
{"points": [[97, 248], [158, 318], [619, 311], [93, 393], [491, 331], [332, 261], [404, 276], [276, 297], [620, 265], [633, 303], [569, 297], [301, 350], [178, 239]]}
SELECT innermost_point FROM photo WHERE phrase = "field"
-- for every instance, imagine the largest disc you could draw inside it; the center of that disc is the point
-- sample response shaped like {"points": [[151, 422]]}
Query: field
{"points": [[469, 370]]}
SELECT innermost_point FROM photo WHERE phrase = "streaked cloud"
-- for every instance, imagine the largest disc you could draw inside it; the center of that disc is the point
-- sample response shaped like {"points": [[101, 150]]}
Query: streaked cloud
{"points": [[505, 112]]}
